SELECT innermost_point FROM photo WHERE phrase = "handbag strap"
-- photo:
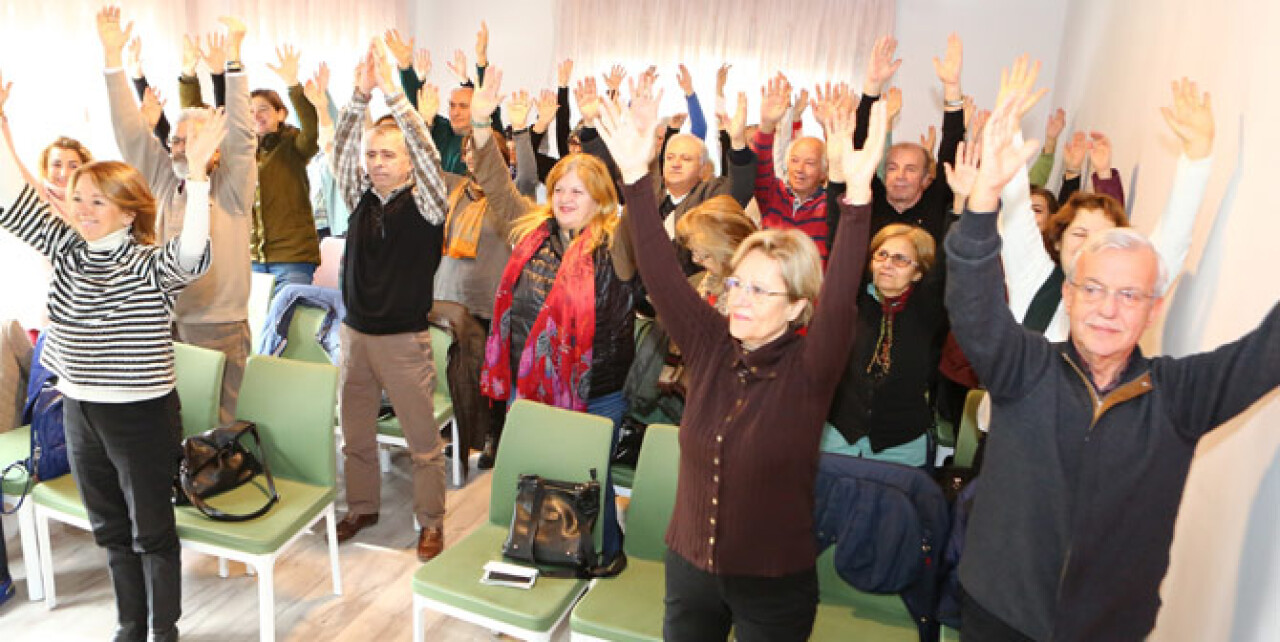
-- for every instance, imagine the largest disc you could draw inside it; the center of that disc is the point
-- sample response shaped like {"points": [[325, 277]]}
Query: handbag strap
{"points": [[26, 489], [535, 511], [272, 495]]}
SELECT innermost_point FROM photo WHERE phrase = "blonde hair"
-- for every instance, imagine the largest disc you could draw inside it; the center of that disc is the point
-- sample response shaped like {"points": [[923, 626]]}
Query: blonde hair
{"points": [[595, 177], [717, 226], [63, 142], [125, 188], [798, 260], [926, 248]]}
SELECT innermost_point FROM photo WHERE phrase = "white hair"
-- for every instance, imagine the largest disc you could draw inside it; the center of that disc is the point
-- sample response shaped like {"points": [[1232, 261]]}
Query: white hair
{"points": [[703, 154], [1125, 239], [193, 114], [822, 153]]}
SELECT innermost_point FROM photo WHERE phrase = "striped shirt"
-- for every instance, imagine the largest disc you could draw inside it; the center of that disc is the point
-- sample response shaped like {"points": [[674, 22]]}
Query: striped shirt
{"points": [[110, 310], [781, 209]]}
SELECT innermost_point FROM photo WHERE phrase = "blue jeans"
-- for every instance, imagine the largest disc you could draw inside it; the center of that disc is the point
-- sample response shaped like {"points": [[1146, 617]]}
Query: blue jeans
{"points": [[286, 273]]}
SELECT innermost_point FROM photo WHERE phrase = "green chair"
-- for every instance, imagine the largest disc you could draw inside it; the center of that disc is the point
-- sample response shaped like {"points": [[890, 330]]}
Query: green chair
{"points": [[280, 396], [300, 342], [629, 607], [969, 433], [14, 445], [845, 613], [538, 439], [198, 374]]}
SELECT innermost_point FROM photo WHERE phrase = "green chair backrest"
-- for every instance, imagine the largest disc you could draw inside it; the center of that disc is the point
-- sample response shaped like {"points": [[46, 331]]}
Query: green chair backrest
{"points": [[440, 342], [292, 402], [967, 437], [301, 343], [553, 442], [653, 495], [199, 384], [261, 285]]}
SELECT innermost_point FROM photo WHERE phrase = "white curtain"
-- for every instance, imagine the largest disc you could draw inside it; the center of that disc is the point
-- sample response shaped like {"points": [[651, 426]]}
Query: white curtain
{"points": [[809, 40]]}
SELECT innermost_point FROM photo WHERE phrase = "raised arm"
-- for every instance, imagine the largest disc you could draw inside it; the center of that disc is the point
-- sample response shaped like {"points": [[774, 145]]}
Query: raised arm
{"points": [[697, 119], [526, 181], [348, 173], [306, 142], [154, 115], [1043, 166], [564, 74], [30, 219], [429, 191], [193, 241], [27, 176], [1191, 120], [506, 203]]}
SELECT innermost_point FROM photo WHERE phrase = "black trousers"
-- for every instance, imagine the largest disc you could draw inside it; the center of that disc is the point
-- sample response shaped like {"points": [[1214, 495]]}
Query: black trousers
{"points": [[123, 458], [977, 624], [703, 606]]}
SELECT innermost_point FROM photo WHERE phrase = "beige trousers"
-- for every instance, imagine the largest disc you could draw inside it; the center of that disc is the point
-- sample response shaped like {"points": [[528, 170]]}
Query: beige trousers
{"points": [[402, 365], [231, 339]]}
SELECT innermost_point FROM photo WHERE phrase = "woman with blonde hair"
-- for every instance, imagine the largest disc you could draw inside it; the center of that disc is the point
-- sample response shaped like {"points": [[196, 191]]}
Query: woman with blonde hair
{"points": [[117, 379], [563, 328], [713, 231]]}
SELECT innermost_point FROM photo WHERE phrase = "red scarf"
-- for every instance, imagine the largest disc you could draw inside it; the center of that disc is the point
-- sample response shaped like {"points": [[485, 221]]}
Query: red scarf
{"points": [[564, 329], [890, 306]]}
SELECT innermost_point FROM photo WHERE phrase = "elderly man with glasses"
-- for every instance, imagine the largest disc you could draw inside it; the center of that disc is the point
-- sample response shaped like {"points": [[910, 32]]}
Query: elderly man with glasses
{"points": [[1090, 440]]}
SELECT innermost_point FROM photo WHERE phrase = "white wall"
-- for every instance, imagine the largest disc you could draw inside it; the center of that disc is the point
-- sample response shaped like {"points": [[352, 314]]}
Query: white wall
{"points": [[1117, 61], [994, 33]]}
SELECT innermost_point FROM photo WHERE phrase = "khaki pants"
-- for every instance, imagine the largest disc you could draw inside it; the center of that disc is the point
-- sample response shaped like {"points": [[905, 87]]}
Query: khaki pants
{"points": [[231, 339], [402, 365]]}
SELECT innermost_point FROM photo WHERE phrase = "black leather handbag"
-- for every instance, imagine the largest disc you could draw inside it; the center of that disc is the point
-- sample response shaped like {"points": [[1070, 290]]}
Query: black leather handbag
{"points": [[552, 525], [215, 461]]}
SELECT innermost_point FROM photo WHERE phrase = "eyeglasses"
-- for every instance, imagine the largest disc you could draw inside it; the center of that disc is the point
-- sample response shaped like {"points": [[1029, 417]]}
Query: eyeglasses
{"points": [[1093, 292], [753, 291], [897, 260]]}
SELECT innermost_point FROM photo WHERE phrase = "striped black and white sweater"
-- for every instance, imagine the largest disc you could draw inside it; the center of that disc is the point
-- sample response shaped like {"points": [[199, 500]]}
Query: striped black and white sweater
{"points": [[110, 308]]}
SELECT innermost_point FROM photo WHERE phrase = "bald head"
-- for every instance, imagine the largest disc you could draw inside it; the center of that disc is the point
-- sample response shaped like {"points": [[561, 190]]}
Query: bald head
{"points": [[806, 165], [683, 162], [460, 110]]}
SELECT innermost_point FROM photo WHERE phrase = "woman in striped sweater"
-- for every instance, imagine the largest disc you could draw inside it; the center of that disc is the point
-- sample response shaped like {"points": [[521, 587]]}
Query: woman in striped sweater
{"points": [[109, 343]]}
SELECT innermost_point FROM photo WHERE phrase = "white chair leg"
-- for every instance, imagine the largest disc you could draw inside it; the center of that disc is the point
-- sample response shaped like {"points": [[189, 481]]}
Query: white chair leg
{"points": [[31, 557], [384, 458], [224, 569], [418, 634], [46, 560], [266, 599], [335, 567], [457, 454]]}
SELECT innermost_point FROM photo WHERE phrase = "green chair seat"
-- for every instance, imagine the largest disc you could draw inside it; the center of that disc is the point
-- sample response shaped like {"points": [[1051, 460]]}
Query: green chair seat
{"points": [[442, 405], [626, 608], [453, 578], [260, 536], [15, 445], [844, 613]]}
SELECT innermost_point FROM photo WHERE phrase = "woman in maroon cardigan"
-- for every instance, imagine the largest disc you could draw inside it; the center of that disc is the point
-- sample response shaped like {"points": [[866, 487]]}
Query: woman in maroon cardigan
{"points": [[741, 550]]}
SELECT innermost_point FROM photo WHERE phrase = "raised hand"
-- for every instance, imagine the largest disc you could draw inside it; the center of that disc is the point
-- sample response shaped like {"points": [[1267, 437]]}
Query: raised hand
{"points": [[1053, 129], [1021, 77], [400, 48], [978, 122], [547, 105], [722, 78], [315, 89], [214, 52], [287, 69], [366, 73], [152, 106], [204, 142], [588, 100], [111, 36], [6, 88], [488, 96], [802, 102], [564, 71], [613, 79], [382, 71], [1100, 153], [961, 175], [134, 58], [893, 105], [948, 68], [1074, 152], [929, 139], [839, 128], [969, 107], [628, 131], [824, 105], [190, 55], [482, 45], [235, 36], [1002, 156], [458, 67], [1191, 119], [736, 124], [428, 102], [860, 165], [773, 102], [685, 80], [881, 65], [518, 107], [422, 64]]}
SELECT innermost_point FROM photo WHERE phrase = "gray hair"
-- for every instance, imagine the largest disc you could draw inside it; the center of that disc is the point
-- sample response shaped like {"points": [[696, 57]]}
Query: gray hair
{"points": [[792, 146], [193, 114], [704, 155], [1126, 239]]}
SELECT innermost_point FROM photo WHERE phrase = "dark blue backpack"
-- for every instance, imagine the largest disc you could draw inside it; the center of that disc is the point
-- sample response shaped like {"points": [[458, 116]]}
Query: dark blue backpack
{"points": [[43, 410]]}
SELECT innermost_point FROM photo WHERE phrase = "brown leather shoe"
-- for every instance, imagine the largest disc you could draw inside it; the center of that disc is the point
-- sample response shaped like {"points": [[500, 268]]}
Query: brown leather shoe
{"points": [[430, 543], [352, 524]]}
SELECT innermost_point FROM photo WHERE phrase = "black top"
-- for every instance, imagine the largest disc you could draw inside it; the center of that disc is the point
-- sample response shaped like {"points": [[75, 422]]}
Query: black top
{"points": [[389, 265]]}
